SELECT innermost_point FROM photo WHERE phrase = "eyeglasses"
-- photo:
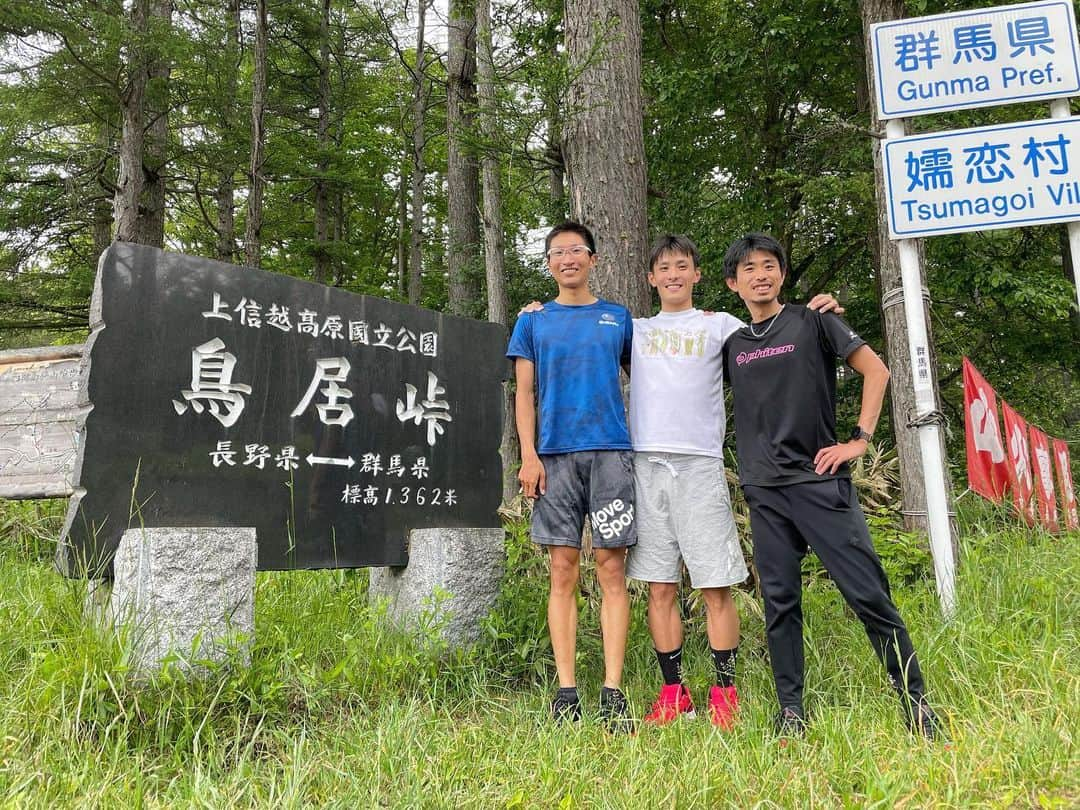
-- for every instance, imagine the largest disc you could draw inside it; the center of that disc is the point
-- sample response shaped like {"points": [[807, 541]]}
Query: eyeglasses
{"points": [[576, 251]]}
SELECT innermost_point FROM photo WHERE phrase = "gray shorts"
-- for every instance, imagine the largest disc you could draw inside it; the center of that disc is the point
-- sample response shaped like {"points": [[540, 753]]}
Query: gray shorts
{"points": [[598, 483], [684, 516]]}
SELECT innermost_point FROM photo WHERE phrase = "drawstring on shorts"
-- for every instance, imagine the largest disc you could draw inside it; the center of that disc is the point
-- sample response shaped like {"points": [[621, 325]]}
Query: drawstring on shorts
{"points": [[670, 467]]}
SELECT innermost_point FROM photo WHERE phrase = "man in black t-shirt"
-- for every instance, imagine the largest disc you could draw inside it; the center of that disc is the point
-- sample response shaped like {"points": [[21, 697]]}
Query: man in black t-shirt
{"points": [[794, 473]]}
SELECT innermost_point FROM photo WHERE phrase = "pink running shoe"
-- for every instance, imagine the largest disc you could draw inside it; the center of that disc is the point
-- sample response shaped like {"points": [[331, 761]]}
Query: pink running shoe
{"points": [[723, 706], [674, 702]]}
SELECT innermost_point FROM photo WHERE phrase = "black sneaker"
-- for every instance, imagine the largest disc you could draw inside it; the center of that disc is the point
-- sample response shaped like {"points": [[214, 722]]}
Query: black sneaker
{"points": [[566, 707], [922, 721], [790, 722], [615, 711]]}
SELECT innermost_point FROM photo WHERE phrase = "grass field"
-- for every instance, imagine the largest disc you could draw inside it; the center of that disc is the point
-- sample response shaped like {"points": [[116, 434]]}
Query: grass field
{"points": [[337, 711]]}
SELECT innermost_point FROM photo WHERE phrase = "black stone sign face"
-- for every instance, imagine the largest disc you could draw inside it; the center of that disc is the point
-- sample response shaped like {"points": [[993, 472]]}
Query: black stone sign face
{"points": [[333, 423]]}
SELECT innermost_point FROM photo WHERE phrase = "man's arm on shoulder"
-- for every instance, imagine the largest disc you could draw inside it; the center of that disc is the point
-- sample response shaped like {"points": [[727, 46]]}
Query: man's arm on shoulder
{"points": [[825, 302], [531, 475], [875, 378]]}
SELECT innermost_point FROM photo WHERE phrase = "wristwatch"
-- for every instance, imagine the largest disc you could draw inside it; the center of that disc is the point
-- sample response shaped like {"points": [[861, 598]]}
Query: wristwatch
{"points": [[858, 433]]}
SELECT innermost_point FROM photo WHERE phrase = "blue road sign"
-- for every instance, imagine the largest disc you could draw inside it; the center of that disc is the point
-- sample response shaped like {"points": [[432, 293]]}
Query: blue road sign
{"points": [[976, 58], [983, 178]]}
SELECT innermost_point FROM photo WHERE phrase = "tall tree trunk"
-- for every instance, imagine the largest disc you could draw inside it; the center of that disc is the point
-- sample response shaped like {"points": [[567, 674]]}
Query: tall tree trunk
{"points": [[898, 355], [225, 202], [1069, 263], [494, 270], [604, 146], [1068, 267], [322, 167], [556, 165], [462, 171], [253, 229], [103, 212], [156, 148], [129, 184], [402, 260], [340, 228], [416, 234]]}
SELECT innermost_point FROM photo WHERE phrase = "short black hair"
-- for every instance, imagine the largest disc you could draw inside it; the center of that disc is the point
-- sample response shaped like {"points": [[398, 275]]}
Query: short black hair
{"points": [[673, 243], [570, 227], [745, 245]]}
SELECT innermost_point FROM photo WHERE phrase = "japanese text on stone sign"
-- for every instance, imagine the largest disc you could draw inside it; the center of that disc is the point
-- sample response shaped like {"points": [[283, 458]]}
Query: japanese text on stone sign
{"points": [[214, 390]]}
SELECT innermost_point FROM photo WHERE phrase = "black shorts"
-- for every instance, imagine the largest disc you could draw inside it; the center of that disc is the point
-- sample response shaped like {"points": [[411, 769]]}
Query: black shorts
{"points": [[598, 483]]}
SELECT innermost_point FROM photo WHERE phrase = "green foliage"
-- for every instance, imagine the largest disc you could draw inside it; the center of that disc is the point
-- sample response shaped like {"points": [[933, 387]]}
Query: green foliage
{"points": [[753, 130], [756, 117], [904, 555], [58, 102], [518, 646], [30, 527], [337, 709]]}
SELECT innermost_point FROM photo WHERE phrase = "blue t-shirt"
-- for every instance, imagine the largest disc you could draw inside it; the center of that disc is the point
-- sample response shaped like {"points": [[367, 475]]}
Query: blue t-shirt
{"points": [[577, 351]]}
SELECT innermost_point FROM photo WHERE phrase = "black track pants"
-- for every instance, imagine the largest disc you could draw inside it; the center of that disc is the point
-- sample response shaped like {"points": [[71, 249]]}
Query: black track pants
{"points": [[826, 516]]}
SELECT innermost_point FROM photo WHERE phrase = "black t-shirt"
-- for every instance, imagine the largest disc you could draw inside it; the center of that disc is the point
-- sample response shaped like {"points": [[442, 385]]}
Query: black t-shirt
{"points": [[784, 388]]}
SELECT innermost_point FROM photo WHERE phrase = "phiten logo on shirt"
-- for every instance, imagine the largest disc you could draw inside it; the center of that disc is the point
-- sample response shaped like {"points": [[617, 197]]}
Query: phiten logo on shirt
{"points": [[607, 319], [742, 358]]}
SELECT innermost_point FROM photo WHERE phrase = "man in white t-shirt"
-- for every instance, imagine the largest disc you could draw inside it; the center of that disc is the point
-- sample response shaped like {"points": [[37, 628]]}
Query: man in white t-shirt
{"points": [[684, 513]]}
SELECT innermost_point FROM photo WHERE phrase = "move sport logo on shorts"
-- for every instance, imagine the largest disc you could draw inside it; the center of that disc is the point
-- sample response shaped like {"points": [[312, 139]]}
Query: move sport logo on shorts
{"points": [[612, 520]]}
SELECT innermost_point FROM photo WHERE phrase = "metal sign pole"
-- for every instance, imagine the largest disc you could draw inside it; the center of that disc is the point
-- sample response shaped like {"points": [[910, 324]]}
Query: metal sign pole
{"points": [[1059, 108], [959, 61], [933, 464]]}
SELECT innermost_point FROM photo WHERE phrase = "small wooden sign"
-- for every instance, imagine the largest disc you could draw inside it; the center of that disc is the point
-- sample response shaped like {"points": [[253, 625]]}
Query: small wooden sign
{"points": [[38, 408]]}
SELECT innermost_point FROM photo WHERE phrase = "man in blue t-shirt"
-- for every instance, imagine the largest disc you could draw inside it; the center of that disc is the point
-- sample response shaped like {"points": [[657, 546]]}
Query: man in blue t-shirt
{"points": [[568, 356]]}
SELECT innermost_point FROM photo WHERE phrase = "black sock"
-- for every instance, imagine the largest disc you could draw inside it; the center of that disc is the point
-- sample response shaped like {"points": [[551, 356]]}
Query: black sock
{"points": [[724, 661], [567, 694], [670, 665]]}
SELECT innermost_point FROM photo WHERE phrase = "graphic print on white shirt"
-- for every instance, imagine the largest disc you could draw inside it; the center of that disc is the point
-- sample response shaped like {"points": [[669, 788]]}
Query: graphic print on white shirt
{"points": [[676, 382]]}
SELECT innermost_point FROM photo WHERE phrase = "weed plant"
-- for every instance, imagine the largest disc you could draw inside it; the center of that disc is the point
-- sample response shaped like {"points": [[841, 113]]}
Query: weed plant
{"points": [[336, 710]]}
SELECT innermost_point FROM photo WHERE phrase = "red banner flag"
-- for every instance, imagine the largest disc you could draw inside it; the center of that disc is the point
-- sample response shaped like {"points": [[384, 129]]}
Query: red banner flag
{"points": [[1044, 478], [987, 473], [1065, 484], [1018, 462]]}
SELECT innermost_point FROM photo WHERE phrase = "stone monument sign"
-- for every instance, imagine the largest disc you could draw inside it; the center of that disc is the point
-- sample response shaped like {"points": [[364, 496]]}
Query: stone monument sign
{"points": [[333, 423]]}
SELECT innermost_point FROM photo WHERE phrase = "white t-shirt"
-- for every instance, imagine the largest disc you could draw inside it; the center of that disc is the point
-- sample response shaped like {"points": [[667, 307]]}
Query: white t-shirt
{"points": [[677, 382]]}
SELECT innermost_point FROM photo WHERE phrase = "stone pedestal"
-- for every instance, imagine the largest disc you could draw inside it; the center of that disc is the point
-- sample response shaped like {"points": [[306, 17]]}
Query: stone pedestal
{"points": [[185, 594], [452, 578]]}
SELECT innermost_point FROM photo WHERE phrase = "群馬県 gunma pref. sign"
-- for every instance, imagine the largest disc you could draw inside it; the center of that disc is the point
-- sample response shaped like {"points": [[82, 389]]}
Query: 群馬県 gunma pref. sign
{"points": [[976, 58], [333, 423]]}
